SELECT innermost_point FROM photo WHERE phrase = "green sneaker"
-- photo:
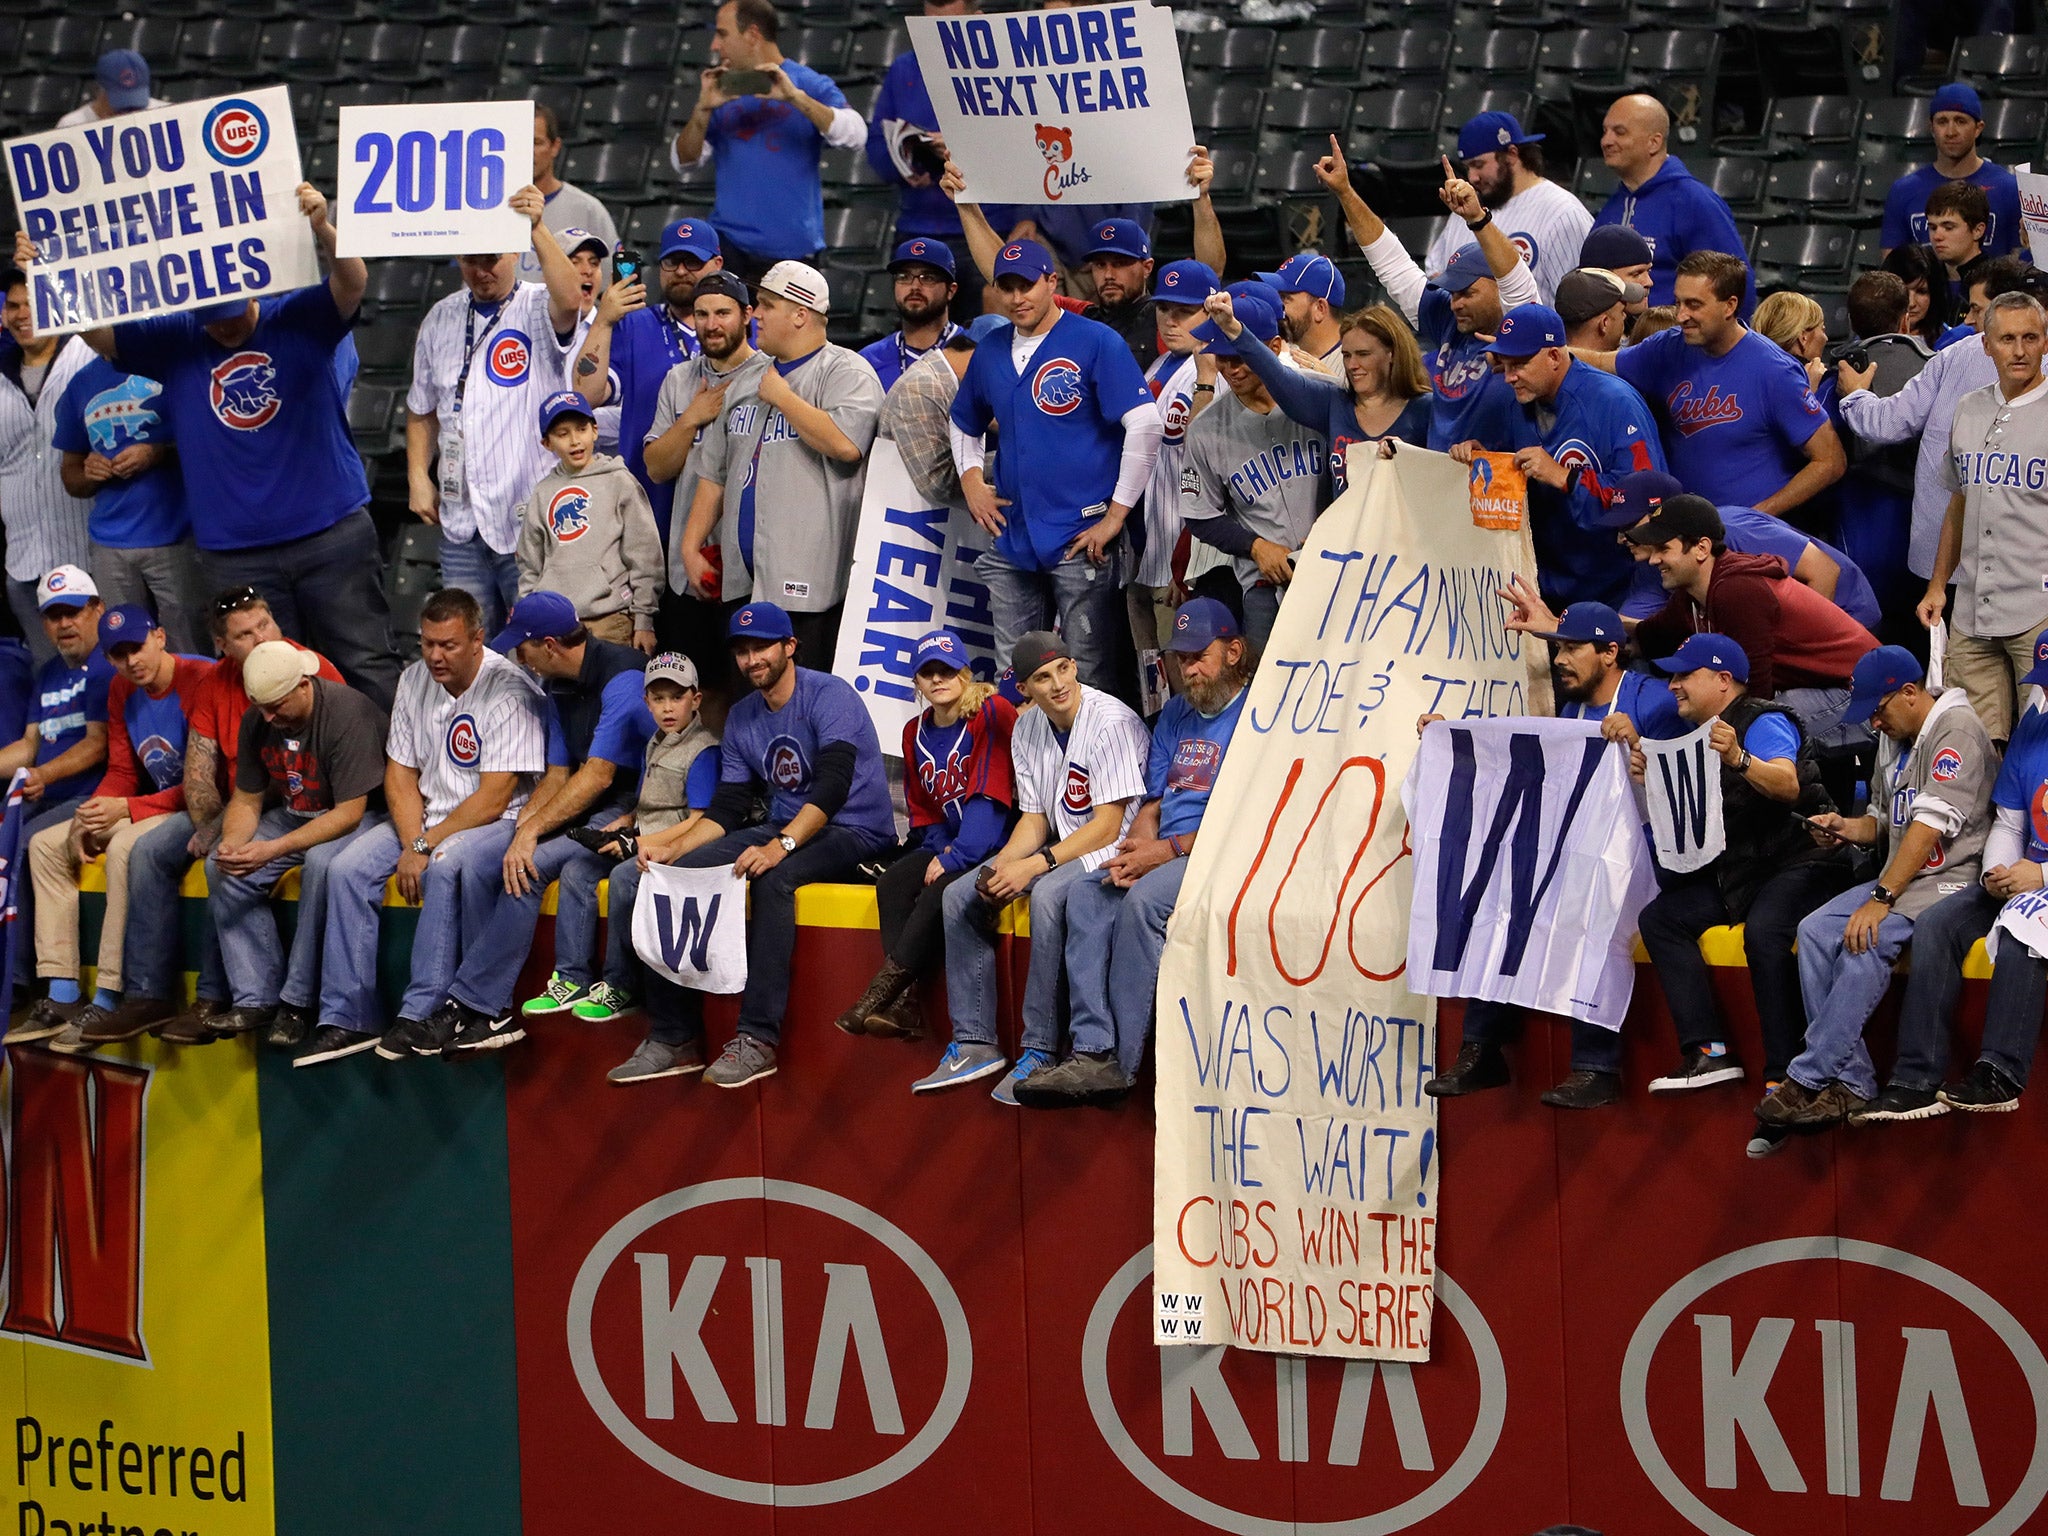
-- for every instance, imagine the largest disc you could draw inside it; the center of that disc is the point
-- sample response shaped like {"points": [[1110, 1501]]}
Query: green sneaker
{"points": [[561, 993], [603, 1002]]}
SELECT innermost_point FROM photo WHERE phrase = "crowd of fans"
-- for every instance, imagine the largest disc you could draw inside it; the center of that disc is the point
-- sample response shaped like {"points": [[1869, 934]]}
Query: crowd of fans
{"points": [[647, 472]]}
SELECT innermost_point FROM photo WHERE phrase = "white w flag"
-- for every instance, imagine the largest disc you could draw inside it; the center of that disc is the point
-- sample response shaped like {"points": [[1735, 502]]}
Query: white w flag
{"points": [[1530, 867], [1682, 783], [691, 926]]}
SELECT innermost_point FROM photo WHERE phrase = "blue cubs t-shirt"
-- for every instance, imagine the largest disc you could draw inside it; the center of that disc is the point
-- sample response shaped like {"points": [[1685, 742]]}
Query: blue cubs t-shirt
{"points": [[1734, 426], [623, 726], [262, 428], [2023, 781], [1187, 754], [769, 198], [645, 345], [1646, 700], [778, 749], [1905, 207], [1468, 400], [157, 730], [67, 699], [104, 411]]}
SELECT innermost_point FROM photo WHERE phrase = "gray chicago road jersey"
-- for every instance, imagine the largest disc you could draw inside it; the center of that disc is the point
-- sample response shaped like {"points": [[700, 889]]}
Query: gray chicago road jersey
{"points": [[1998, 459], [1268, 472], [678, 389]]}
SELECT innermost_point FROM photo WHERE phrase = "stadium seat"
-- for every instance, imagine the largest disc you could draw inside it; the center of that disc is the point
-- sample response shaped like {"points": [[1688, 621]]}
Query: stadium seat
{"points": [[363, 93], [861, 95], [824, 49], [875, 49], [1318, 53], [386, 351], [630, 110], [555, 49], [397, 287], [1588, 57], [1800, 125], [1671, 13], [33, 101], [1895, 127], [1305, 119], [1383, 15], [384, 50], [10, 41], [696, 185], [1415, 232], [1397, 129], [154, 37], [1497, 13], [370, 408], [425, 12], [1869, 247], [2012, 129], [472, 48], [62, 42], [1812, 189], [1289, 173], [1586, 13], [848, 177], [1412, 55], [222, 46], [1236, 175], [1593, 182], [305, 50], [1504, 56], [1233, 50], [564, 99], [1738, 180], [610, 170], [1679, 68], [1462, 103], [878, 305], [854, 234], [1227, 113], [635, 50], [2010, 66], [1802, 255]]}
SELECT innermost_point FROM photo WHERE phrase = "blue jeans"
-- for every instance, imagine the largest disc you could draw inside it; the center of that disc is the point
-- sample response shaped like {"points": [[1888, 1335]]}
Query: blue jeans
{"points": [[327, 590], [1114, 940], [489, 577], [355, 904], [503, 924], [1842, 991], [622, 969], [1086, 599], [1593, 1049], [971, 958], [676, 1014], [2012, 1013], [576, 915], [1261, 609], [156, 868], [258, 975]]}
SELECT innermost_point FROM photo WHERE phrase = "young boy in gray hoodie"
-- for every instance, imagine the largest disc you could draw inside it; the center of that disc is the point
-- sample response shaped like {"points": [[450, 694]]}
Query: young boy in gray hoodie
{"points": [[588, 533]]}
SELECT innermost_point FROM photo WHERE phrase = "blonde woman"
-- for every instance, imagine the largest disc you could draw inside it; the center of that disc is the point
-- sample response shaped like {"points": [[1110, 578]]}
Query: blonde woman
{"points": [[1799, 326]]}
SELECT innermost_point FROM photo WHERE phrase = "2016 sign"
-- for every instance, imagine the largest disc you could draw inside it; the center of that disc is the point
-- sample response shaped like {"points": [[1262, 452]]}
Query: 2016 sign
{"points": [[433, 180], [474, 174]]}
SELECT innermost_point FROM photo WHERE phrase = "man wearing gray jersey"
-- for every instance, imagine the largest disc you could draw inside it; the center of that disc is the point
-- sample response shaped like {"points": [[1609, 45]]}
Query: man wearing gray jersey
{"points": [[1253, 479]]}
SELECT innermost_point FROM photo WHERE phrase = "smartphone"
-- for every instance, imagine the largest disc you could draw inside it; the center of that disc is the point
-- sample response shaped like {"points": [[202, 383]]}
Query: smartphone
{"points": [[746, 82], [924, 156], [1813, 826], [627, 265]]}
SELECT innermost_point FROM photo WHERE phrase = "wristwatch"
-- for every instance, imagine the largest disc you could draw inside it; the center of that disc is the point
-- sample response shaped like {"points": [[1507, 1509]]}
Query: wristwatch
{"points": [[1882, 896], [1743, 766], [1476, 225], [788, 843], [421, 846]]}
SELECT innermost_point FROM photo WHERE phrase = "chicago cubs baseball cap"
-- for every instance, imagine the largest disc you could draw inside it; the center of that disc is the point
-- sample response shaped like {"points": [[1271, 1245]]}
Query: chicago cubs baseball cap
{"points": [[536, 616], [1526, 330], [565, 402], [941, 646], [1683, 517], [981, 327], [1588, 291], [274, 669], [1198, 621], [1612, 246], [689, 237], [722, 285], [927, 252], [574, 240], [1120, 237], [124, 75], [65, 586], [1715, 652], [1639, 495], [759, 621], [1957, 98], [1026, 259], [1490, 131], [2039, 675], [1308, 272], [672, 667], [1034, 650], [1465, 269], [125, 624], [1257, 309], [1877, 673], [800, 284], [1185, 282], [1587, 624]]}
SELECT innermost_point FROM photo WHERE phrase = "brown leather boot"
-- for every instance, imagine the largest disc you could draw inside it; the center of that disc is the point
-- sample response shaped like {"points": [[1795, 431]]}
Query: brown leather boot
{"points": [[195, 1025], [890, 980], [902, 1018]]}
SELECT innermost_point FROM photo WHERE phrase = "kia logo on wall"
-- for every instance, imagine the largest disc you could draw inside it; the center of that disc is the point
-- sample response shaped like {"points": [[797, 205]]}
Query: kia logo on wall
{"points": [[715, 1313], [1758, 1397], [1353, 1447]]}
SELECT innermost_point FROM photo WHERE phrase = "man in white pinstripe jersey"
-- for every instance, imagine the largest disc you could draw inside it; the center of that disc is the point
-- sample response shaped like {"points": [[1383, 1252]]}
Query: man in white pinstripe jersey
{"points": [[45, 523]]}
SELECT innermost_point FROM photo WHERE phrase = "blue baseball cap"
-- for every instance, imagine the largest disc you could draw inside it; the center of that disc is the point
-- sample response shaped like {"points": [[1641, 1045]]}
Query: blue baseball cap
{"points": [[1587, 624], [536, 616], [1257, 309], [690, 237], [1465, 269], [1026, 259], [1877, 673], [1526, 330], [124, 75], [565, 402], [221, 314], [1957, 98], [1639, 495], [1490, 131], [924, 251], [1120, 237], [1185, 282], [1716, 652], [759, 621], [2039, 675], [1308, 272], [1614, 246], [981, 327], [1198, 621], [941, 645], [125, 624]]}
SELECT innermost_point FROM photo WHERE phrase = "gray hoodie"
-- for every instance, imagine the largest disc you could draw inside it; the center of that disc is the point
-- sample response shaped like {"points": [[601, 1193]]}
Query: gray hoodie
{"points": [[591, 537]]}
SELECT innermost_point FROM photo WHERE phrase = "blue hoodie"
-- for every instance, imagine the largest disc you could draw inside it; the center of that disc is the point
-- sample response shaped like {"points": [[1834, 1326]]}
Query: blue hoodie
{"points": [[1678, 214], [904, 99]]}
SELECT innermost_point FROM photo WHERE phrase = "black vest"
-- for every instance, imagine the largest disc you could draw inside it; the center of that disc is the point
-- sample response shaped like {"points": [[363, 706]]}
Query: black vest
{"points": [[1763, 836], [580, 702]]}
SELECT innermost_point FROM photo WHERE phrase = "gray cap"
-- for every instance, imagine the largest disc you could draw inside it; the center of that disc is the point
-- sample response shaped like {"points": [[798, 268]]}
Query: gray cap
{"points": [[672, 667], [1034, 650]]}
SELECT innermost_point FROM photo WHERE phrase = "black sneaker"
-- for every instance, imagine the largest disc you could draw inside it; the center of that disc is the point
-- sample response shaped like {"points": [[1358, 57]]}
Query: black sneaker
{"points": [[330, 1042], [1584, 1090], [418, 1037], [1900, 1103], [289, 1026], [1699, 1067], [1986, 1091], [242, 1021], [480, 1032], [1478, 1066], [1768, 1140]]}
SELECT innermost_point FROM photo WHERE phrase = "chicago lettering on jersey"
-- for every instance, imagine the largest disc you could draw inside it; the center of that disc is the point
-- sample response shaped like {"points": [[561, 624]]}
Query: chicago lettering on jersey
{"points": [[1995, 467], [1267, 469]]}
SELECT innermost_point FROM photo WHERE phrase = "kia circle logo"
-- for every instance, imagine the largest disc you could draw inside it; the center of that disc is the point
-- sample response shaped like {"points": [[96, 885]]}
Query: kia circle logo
{"points": [[660, 1304], [505, 363], [1361, 1468], [235, 132], [1878, 1392]]}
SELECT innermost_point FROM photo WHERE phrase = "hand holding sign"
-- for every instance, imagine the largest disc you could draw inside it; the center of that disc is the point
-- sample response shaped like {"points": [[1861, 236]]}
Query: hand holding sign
{"points": [[1538, 465], [1201, 169], [2015, 879]]}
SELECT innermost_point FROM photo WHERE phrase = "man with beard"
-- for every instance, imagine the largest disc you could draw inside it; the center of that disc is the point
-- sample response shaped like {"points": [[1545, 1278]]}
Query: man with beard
{"points": [[1311, 292], [1120, 266], [1593, 683], [1542, 219], [925, 285]]}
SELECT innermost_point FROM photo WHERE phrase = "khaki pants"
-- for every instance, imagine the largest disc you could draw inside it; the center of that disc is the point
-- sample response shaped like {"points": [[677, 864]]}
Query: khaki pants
{"points": [[615, 627], [54, 859], [1988, 668], [1151, 612]]}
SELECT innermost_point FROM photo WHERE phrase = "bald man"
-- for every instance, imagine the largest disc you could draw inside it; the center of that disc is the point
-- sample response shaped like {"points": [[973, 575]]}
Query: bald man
{"points": [[1660, 199]]}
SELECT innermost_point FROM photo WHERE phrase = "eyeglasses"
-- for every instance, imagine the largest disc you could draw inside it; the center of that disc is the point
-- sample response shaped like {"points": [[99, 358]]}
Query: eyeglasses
{"points": [[235, 598]]}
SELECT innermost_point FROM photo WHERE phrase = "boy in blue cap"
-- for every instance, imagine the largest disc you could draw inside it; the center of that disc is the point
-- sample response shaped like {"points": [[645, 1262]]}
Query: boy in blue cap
{"points": [[926, 281], [587, 532], [1956, 122], [1543, 220]]}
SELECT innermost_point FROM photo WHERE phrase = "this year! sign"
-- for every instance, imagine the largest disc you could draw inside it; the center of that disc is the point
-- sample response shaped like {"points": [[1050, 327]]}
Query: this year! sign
{"points": [[433, 180]]}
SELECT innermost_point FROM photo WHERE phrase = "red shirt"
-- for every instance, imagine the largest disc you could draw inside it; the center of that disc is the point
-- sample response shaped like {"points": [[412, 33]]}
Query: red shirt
{"points": [[124, 775], [217, 712]]}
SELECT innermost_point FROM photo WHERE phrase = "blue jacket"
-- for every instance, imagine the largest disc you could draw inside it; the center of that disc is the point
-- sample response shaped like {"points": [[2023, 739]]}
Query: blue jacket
{"points": [[1678, 214], [904, 99]]}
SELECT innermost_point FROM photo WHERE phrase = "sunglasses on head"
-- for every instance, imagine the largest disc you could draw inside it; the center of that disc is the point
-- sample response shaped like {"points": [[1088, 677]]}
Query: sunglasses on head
{"points": [[235, 598]]}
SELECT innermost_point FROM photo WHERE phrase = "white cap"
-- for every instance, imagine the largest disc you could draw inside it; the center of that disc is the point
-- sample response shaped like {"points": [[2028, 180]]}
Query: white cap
{"points": [[274, 669], [65, 584], [673, 667], [800, 284]]}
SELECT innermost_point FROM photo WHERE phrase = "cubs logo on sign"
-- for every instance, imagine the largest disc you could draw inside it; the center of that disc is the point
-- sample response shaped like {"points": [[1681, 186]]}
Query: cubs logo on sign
{"points": [[235, 132], [569, 513], [465, 746], [243, 391], [787, 766], [1056, 387], [508, 359], [1079, 795], [1948, 762]]}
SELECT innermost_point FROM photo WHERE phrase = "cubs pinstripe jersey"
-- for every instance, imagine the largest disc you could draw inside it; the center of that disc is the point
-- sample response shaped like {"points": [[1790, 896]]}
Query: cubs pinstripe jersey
{"points": [[514, 364], [496, 725], [1545, 223], [1100, 760], [45, 523], [1174, 379]]}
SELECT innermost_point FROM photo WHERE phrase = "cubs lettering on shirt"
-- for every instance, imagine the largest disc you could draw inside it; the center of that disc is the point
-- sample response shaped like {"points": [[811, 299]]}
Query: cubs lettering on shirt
{"points": [[2016, 471], [67, 699], [498, 724], [1100, 760], [1470, 402]]}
